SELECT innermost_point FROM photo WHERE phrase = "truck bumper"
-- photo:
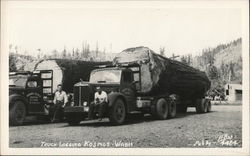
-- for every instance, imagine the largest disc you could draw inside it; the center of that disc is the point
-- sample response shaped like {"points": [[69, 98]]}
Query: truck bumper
{"points": [[79, 109]]}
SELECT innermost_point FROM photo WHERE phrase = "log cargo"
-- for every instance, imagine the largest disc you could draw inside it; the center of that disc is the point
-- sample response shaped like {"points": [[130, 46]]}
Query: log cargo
{"points": [[68, 72], [160, 75]]}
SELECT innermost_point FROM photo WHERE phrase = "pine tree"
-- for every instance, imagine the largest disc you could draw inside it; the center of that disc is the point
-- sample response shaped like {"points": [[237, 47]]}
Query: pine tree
{"points": [[12, 63], [212, 72], [39, 53], [55, 53], [64, 52], [77, 53], [162, 51], [73, 53], [97, 50]]}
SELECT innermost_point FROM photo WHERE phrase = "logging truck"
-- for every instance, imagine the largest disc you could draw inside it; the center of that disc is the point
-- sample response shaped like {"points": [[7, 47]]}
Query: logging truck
{"points": [[29, 93], [140, 80]]}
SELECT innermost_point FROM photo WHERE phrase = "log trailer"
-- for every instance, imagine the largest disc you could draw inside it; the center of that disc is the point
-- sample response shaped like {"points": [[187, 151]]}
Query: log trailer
{"points": [[133, 87], [29, 92]]}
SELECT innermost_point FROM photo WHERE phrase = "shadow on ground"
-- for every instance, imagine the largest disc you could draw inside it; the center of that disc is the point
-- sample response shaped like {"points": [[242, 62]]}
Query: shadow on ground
{"points": [[134, 119]]}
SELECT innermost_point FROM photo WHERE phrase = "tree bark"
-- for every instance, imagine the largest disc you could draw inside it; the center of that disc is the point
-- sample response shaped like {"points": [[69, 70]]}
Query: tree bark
{"points": [[160, 75]]}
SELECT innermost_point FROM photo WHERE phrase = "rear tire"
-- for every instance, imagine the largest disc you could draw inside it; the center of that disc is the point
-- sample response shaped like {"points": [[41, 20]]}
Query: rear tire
{"points": [[117, 114], [209, 106], [17, 113], [73, 119], [201, 106], [161, 109], [172, 109]]}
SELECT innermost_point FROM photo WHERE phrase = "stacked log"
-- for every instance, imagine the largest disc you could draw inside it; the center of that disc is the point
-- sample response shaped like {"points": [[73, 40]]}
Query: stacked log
{"points": [[68, 72], [160, 75]]}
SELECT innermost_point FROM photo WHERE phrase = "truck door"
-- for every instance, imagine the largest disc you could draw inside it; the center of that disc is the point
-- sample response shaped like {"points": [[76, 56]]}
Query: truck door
{"points": [[34, 95], [128, 89]]}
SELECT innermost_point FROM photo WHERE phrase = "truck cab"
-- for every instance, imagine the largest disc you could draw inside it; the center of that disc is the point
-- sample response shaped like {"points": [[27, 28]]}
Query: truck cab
{"points": [[122, 83], [28, 94]]}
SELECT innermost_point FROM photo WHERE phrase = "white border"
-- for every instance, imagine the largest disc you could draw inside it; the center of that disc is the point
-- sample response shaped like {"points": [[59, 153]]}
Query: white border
{"points": [[241, 4]]}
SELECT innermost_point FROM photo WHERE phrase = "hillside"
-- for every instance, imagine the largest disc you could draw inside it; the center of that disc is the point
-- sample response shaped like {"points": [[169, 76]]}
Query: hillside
{"points": [[232, 54], [223, 64]]}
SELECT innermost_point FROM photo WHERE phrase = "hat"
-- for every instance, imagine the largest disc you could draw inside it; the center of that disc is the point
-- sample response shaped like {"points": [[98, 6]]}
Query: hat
{"points": [[98, 88]]}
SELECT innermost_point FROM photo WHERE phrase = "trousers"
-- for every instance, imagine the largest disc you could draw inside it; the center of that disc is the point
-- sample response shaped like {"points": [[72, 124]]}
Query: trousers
{"points": [[58, 113], [100, 108]]}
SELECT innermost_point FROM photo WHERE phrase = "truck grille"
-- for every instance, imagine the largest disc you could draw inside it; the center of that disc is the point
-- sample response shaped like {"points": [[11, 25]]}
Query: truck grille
{"points": [[81, 94]]}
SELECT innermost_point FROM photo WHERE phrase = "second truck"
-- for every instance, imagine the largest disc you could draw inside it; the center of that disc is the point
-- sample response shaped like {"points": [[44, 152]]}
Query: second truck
{"points": [[140, 80]]}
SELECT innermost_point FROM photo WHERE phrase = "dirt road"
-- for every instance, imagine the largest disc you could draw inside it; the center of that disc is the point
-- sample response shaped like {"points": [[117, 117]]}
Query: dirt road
{"points": [[220, 128]]}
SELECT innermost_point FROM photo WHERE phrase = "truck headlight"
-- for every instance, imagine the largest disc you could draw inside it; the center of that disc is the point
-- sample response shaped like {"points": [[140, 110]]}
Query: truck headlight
{"points": [[85, 103], [72, 103]]}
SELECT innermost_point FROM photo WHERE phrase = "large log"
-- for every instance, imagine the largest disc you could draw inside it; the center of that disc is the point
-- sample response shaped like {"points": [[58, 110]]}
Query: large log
{"points": [[160, 75], [68, 72]]}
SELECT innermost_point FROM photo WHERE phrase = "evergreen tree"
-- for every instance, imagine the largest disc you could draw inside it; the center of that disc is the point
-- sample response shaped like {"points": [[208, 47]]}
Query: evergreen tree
{"points": [[64, 52], [212, 72], [73, 53], [55, 54], [12, 63], [162, 51], [77, 53]]}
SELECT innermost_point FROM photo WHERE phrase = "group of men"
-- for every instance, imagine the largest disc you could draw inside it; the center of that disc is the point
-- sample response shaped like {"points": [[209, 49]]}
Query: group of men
{"points": [[61, 99]]}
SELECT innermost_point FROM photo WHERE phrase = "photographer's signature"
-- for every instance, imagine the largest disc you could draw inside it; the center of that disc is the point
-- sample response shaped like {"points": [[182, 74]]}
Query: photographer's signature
{"points": [[224, 140]]}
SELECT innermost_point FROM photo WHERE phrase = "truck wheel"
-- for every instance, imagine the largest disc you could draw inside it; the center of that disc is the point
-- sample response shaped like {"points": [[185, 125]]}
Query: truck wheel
{"points": [[73, 119], [209, 106], [118, 112], [17, 113], [172, 109], [201, 106], [161, 109]]}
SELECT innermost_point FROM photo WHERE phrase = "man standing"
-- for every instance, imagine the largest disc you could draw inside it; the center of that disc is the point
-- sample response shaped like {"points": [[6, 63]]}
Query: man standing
{"points": [[60, 101], [100, 100]]}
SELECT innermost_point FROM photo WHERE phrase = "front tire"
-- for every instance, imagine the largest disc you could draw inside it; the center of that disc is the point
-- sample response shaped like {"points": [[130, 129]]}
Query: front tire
{"points": [[118, 112], [17, 113]]}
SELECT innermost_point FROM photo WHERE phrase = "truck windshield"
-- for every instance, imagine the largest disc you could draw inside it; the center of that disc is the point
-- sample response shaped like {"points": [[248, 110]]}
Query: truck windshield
{"points": [[18, 81], [105, 76]]}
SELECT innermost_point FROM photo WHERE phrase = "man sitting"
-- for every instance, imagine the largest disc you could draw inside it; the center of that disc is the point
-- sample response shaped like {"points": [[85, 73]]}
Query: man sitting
{"points": [[100, 101]]}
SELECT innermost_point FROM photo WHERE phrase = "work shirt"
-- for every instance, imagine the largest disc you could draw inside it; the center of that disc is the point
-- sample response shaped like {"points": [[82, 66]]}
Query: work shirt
{"points": [[61, 96], [102, 97]]}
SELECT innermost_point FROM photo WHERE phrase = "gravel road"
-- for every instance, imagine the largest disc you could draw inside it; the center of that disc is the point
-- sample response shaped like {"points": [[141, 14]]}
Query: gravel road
{"points": [[220, 128]]}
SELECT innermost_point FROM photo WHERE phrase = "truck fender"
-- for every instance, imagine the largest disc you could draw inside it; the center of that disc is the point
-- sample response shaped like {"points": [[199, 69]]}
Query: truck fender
{"points": [[115, 95], [15, 97]]}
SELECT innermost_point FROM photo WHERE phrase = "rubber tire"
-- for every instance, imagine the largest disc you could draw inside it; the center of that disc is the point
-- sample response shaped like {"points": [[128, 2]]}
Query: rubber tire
{"points": [[172, 109], [73, 119], [113, 112], [209, 106], [161, 109], [201, 106], [13, 118]]}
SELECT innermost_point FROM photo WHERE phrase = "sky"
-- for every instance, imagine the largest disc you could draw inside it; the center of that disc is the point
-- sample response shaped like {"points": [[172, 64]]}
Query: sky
{"points": [[180, 30]]}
